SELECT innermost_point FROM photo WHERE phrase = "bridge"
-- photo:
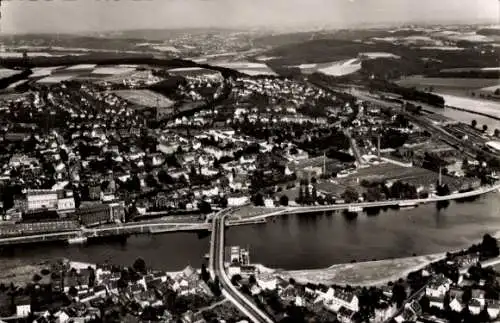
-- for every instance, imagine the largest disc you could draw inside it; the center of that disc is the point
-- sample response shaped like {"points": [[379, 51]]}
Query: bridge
{"points": [[216, 268]]}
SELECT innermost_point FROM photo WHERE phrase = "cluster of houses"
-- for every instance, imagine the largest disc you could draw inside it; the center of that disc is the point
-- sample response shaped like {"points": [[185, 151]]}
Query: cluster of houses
{"points": [[88, 287]]}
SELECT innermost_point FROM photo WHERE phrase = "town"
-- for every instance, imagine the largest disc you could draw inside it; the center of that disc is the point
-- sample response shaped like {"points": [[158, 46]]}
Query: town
{"points": [[105, 139], [110, 151]]}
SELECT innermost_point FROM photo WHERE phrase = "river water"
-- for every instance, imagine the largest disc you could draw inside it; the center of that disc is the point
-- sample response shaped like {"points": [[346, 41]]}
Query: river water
{"points": [[480, 105], [300, 241]]}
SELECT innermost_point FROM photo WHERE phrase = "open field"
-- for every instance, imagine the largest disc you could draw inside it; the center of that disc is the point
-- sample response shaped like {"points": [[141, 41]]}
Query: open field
{"points": [[113, 70], [145, 98], [342, 67], [5, 72], [55, 79], [248, 211], [465, 84], [363, 273], [18, 272]]}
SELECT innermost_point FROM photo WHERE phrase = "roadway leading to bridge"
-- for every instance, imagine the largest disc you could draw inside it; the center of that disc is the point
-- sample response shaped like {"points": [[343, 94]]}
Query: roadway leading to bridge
{"points": [[217, 269], [347, 206]]}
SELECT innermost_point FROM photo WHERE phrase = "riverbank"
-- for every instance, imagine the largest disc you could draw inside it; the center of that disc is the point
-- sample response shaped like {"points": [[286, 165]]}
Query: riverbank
{"points": [[371, 273], [368, 273]]}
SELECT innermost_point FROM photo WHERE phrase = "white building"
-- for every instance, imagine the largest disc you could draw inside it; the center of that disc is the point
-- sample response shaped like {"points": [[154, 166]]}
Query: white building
{"points": [[23, 310], [238, 200], [438, 287], [38, 199]]}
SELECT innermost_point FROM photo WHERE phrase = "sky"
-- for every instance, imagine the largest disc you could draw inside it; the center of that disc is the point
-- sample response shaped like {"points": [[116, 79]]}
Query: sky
{"points": [[26, 16]]}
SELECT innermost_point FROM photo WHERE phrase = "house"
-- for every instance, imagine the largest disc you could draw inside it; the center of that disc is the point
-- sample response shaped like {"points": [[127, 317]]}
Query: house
{"points": [[475, 306], [456, 305], [337, 298], [62, 317], [269, 203], [493, 309], [436, 302], [438, 286], [346, 299], [478, 295], [237, 200], [410, 313], [345, 315], [23, 308], [267, 284]]}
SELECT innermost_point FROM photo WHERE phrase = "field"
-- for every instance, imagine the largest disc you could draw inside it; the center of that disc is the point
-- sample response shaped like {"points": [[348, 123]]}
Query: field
{"points": [[145, 98], [363, 273], [342, 67], [4, 72], [113, 70], [465, 84], [43, 71], [246, 67], [55, 79]]}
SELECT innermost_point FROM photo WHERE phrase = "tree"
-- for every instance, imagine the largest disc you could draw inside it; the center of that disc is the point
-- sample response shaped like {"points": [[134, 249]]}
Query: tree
{"points": [[485, 128], [73, 292], [151, 180], [258, 199], [497, 91], [164, 177], [467, 295], [425, 303], [64, 155], [496, 133], [204, 207], [205, 275], [300, 198], [489, 247], [473, 123], [314, 194], [350, 195], [139, 265], [284, 200], [399, 294]]}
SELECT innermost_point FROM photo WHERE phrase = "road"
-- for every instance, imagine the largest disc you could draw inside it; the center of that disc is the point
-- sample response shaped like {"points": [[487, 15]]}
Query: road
{"points": [[217, 269], [354, 147]]}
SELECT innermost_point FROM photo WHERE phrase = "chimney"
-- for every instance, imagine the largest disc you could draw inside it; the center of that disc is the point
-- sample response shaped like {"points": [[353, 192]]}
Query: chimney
{"points": [[378, 146]]}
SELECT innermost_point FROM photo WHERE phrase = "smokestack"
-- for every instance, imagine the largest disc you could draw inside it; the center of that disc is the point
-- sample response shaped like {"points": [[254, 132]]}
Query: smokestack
{"points": [[378, 146], [440, 177]]}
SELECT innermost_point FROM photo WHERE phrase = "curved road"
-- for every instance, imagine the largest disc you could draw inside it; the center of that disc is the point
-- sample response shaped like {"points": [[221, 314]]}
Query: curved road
{"points": [[216, 267]]}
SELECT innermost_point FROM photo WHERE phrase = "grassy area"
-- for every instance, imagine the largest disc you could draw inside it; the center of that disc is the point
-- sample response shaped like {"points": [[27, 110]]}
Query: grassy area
{"points": [[17, 273], [145, 98], [248, 211], [365, 273]]}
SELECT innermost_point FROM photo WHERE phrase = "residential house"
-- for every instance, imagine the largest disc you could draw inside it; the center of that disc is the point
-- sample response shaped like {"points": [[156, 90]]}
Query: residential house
{"points": [[474, 306], [23, 308], [493, 308], [438, 286]]}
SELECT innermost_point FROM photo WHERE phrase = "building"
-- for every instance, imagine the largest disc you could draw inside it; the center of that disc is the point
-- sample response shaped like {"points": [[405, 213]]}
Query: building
{"points": [[23, 309], [237, 200], [50, 199], [97, 213], [438, 287], [40, 199]]}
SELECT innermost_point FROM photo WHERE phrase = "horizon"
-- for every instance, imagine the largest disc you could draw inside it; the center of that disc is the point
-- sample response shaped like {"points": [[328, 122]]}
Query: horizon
{"points": [[79, 16]]}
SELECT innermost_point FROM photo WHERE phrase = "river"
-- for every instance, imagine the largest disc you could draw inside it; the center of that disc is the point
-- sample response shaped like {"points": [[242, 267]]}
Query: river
{"points": [[300, 241], [481, 105]]}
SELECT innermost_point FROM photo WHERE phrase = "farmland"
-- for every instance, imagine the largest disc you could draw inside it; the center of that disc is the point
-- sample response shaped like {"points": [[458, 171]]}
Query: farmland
{"points": [[464, 84], [145, 98]]}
